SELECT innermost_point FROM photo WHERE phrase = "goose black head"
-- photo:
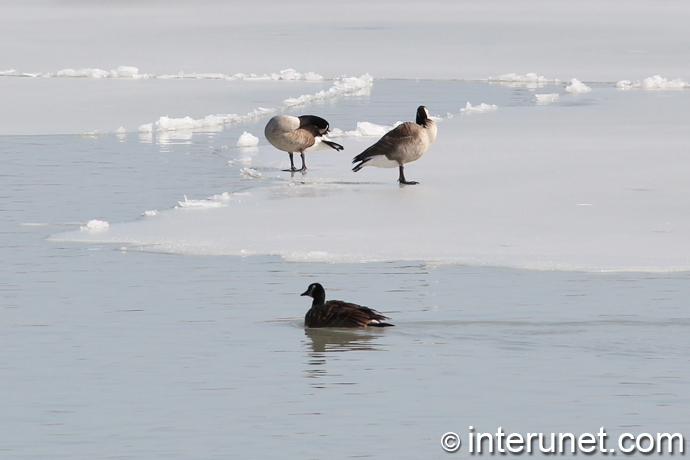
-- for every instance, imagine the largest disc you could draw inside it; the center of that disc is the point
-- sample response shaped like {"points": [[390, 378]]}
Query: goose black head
{"points": [[319, 123], [422, 115], [313, 290], [316, 292]]}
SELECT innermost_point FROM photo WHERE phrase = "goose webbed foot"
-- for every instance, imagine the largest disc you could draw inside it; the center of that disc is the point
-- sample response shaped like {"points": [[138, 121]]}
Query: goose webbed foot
{"points": [[292, 169], [402, 179]]}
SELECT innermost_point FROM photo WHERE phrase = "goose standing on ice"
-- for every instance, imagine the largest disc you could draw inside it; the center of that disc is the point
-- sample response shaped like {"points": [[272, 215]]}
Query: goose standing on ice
{"points": [[403, 144], [296, 134], [336, 313]]}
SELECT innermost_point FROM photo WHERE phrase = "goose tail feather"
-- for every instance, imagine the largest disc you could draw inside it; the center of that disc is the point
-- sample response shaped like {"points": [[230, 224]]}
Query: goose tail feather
{"points": [[360, 165], [379, 324], [333, 145]]}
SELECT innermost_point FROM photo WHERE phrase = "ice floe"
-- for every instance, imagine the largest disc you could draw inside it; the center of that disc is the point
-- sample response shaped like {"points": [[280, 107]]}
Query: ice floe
{"points": [[95, 224], [227, 196], [576, 86], [654, 82], [342, 86], [530, 80], [492, 191], [543, 99], [251, 173], [364, 129], [469, 108], [285, 75], [243, 160], [368, 129], [187, 203], [121, 72], [125, 71], [247, 140], [208, 123]]}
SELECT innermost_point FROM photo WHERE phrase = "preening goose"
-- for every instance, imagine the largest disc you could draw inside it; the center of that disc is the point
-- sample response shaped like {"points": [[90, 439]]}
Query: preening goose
{"points": [[403, 144], [296, 134], [336, 313]]}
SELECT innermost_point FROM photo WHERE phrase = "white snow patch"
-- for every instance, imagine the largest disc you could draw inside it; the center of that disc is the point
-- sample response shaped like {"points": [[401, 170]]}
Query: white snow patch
{"points": [[242, 160], [150, 213], [95, 224], [478, 108], [251, 173], [247, 140], [576, 86]]}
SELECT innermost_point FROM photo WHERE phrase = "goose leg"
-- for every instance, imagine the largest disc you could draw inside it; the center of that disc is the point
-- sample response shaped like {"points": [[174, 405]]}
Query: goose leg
{"points": [[292, 163], [402, 180], [304, 165]]}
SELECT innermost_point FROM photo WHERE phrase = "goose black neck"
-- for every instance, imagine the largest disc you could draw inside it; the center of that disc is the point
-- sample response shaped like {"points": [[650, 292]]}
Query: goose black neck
{"points": [[319, 295]]}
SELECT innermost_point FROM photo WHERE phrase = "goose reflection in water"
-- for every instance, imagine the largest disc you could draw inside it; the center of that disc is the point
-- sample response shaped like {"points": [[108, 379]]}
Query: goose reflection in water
{"points": [[321, 343]]}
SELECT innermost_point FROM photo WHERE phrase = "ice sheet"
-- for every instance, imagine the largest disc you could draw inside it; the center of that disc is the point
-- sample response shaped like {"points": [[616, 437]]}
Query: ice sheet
{"points": [[590, 40], [590, 182]]}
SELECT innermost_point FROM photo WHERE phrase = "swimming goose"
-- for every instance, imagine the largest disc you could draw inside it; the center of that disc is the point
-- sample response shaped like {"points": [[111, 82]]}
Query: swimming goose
{"points": [[403, 144], [296, 134], [336, 313]]}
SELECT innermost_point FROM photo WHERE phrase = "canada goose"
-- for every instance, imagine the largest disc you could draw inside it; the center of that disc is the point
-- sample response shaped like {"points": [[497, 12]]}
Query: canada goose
{"points": [[403, 144], [336, 313], [296, 134]]}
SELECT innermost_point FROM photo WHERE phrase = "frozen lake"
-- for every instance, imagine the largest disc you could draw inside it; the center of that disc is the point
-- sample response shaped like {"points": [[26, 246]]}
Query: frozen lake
{"points": [[134, 344], [538, 276]]}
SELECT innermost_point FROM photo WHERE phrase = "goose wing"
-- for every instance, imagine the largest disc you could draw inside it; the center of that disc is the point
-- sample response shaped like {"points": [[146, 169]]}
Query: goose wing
{"points": [[399, 137], [336, 313]]}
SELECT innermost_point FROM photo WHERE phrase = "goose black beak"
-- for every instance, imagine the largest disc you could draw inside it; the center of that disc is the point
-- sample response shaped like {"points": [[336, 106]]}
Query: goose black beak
{"points": [[305, 292]]}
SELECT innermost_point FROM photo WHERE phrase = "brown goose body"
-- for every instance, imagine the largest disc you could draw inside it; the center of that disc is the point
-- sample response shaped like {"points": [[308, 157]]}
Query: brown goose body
{"points": [[336, 313], [296, 134], [403, 144]]}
